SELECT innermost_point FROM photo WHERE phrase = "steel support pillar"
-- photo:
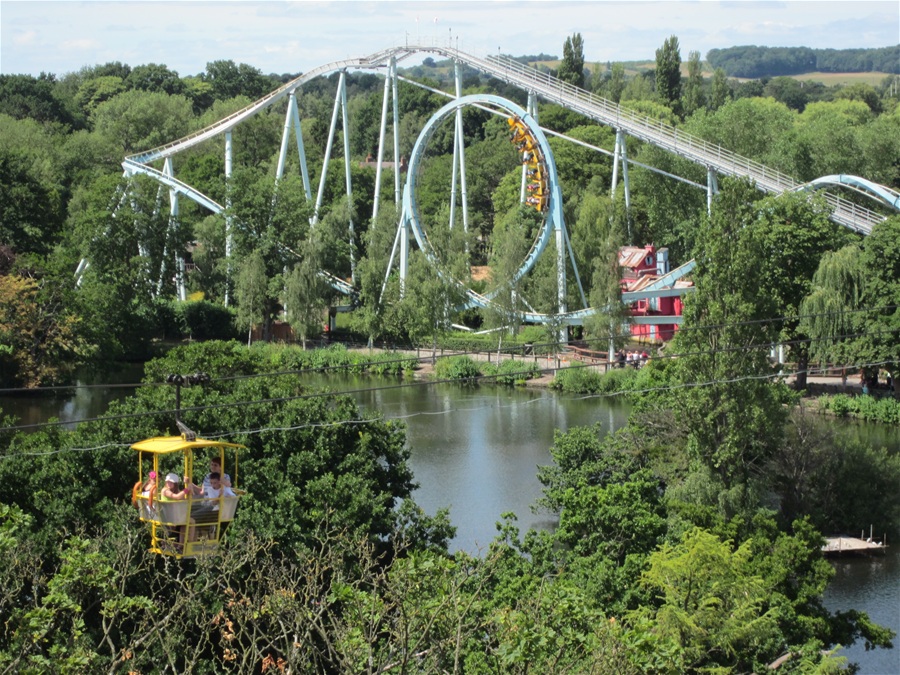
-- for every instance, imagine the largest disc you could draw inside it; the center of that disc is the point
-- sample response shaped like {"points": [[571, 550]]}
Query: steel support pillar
{"points": [[334, 117], [350, 228], [712, 187], [381, 136], [396, 102], [229, 219]]}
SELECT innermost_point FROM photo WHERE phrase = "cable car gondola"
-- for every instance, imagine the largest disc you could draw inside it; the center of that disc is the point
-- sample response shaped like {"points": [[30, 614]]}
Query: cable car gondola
{"points": [[192, 525]]}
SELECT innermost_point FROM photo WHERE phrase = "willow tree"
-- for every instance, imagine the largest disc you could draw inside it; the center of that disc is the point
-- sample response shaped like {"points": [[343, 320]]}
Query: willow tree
{"points": [[827, 312]]}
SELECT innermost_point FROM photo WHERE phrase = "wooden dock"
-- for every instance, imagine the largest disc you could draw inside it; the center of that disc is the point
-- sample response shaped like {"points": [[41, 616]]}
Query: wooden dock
{"points": [[852, 546]]}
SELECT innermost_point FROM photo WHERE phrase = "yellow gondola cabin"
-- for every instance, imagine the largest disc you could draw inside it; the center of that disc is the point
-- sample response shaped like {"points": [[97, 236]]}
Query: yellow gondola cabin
{"points": [[191, 526]]}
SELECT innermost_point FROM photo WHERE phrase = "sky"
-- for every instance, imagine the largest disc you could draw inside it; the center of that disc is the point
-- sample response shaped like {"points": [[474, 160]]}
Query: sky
{"points": [[277, 36]]}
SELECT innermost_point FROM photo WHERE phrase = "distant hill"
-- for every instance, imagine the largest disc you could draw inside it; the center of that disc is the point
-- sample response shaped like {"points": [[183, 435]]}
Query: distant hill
{"points": [[753, 62]]}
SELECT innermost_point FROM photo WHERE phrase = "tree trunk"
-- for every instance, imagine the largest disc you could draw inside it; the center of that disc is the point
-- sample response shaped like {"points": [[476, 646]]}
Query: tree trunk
{"points": [[802, 367]]}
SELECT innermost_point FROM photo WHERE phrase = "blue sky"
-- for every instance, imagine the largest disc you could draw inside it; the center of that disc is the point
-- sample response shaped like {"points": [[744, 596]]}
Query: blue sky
{"points": [[290, 37]]}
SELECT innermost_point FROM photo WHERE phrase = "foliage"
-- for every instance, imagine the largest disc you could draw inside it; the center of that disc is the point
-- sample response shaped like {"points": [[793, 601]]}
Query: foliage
{"points": [[456, 368], [868, 408], [204, 320], [571, 68], [511, 371], [753, 61], [668, 73], [838, 482], [736, 416], [37, 347]]}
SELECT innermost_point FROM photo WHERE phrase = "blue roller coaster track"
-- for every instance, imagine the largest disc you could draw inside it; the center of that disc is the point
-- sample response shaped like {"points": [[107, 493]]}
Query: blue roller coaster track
{"points": [[627, 123]]}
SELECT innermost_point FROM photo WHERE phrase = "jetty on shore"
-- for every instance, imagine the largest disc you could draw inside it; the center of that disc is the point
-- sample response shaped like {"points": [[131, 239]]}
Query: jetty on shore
{"points": [[852, 546]]}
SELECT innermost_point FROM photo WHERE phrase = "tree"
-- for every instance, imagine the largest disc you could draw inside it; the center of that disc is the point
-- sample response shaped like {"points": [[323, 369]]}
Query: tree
{"points": [[39, 340], [229, 79], [28, 97], [735, 416], [668, 73], [139, 120], [31, 212], [611, 316], [306, 291], [719, 91], [155, 77], [251, 291], [794, 231], [616, 84], [693, 98], [712, 605], [510, 245], [571, 68]]}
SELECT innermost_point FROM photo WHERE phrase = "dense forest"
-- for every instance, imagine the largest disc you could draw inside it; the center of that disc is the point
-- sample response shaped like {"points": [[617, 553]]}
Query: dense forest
{"points": [[688, 542], [753, 61]]}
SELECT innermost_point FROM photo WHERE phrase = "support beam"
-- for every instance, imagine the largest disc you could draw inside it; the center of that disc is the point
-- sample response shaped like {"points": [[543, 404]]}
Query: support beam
{"points": [[331, 131], [229, 225], [346, 128], [382, 129]]}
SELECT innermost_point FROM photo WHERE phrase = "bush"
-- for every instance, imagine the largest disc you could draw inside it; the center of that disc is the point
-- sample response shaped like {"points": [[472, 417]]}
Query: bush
{"points": [[456, 368], [577, 381], [869, 408], [204, 320], [512, 372]]}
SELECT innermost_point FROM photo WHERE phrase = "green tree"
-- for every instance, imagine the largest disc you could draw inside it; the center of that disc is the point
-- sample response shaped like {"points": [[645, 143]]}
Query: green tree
{"points": [[719, 91], [794, 232], [253, 296], [608, 325], [571, 68], [735, 416], [31, 212], [693, 97], [616, 84], [39, 340], [712, 605], [28, 97], [155, 77], [306, 291], [229, 79], [668, 73], [510, 245], [139, 120]]}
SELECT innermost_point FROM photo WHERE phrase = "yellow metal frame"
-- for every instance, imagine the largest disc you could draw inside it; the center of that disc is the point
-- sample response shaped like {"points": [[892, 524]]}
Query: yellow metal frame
{"points": [[194, 526]]}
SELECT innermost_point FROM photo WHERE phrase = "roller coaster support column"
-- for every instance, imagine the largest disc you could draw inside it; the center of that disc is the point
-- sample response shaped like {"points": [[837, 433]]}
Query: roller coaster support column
{"points": [[346, 134], [331, 130], [172, 231], [712, 187], [453, 172], [381, 134], [292, 121], [621, 155], [396, 96], [229, 235], [459, 155]]}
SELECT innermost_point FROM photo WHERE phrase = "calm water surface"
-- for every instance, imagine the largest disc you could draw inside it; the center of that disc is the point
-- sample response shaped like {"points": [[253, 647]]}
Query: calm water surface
{"points": [[476, 452]]}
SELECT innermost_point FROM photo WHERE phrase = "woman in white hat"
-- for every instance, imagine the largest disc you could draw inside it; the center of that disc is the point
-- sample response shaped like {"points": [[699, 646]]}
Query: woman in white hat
{"points": [[171, 493]]}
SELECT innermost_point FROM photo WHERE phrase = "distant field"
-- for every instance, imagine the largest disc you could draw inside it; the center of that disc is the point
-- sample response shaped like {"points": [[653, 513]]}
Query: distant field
{"points": [[843, 78], [828, 79]]}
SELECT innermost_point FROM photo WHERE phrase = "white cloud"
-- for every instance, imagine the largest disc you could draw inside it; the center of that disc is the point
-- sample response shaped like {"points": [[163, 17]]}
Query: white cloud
{"points": [[28, 37], [277, 36]]}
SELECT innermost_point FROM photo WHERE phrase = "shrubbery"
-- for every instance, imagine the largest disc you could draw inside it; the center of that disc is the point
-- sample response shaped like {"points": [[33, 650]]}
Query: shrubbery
{"points": [[869, 408], [456, 368]]}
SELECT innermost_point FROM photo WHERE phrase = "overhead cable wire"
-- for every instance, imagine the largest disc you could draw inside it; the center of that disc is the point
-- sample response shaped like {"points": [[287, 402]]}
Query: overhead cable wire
{"points": [[418, 383], [405, 359], [375, 419]]}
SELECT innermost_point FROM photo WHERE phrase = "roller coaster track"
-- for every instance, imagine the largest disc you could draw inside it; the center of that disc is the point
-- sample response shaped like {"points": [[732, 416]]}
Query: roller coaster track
{"points": [[714, 158], [639, 126]]}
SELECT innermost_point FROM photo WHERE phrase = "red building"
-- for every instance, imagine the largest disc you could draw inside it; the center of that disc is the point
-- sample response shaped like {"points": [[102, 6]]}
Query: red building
{"points": [[646, 270]]}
